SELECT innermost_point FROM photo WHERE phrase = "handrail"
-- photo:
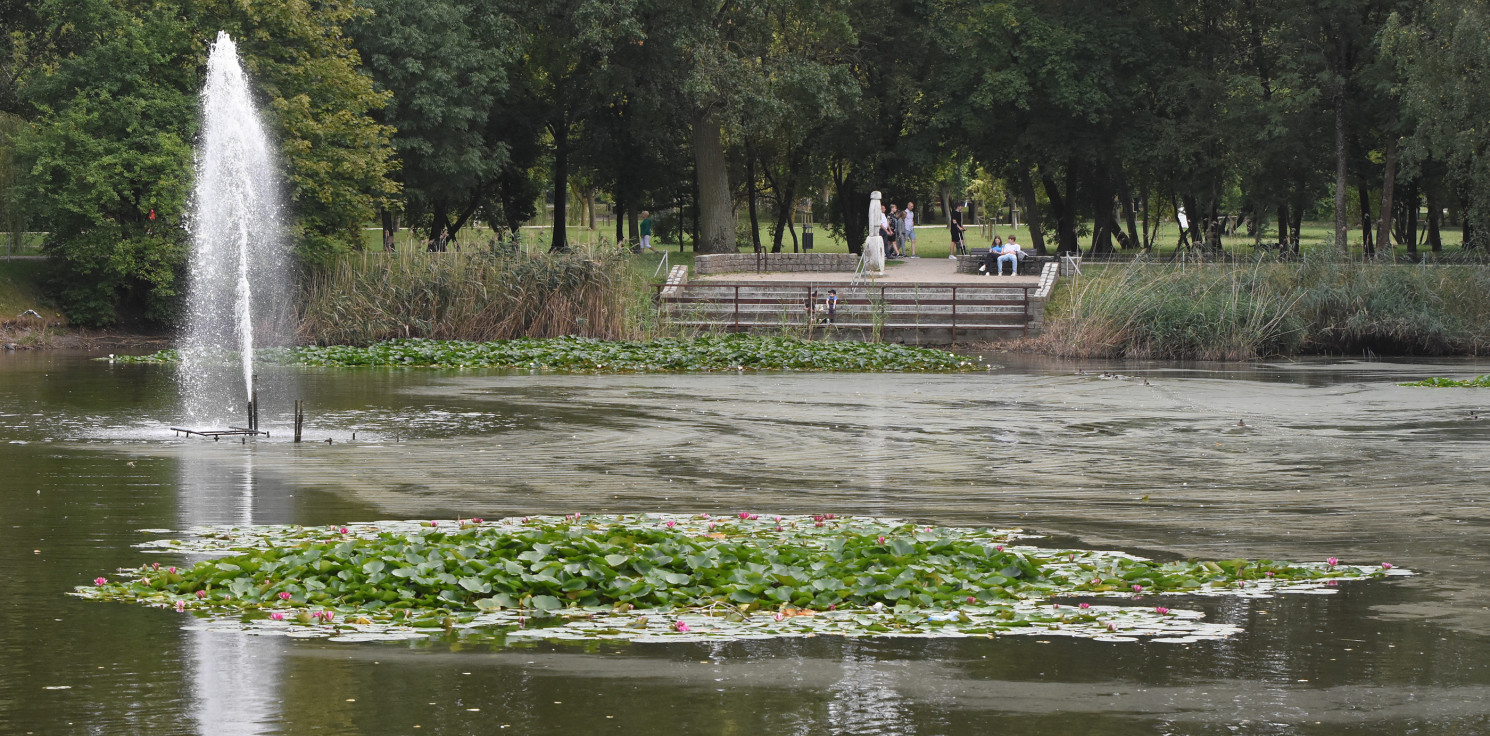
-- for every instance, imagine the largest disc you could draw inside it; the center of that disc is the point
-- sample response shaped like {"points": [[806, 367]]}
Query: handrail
{"points": [[661, 265]]}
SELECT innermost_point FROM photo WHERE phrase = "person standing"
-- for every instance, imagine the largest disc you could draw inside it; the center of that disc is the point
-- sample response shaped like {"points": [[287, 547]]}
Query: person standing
{"points": [[893, 233], [909, 227], [646, 230], [955, 223]]}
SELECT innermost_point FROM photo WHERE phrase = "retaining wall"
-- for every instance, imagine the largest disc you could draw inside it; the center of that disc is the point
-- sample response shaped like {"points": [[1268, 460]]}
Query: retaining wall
{"points": [[781, 262]]}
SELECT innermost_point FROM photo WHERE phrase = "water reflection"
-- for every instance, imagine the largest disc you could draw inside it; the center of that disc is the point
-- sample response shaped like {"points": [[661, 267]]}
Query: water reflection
{"points": [[235, 680]]}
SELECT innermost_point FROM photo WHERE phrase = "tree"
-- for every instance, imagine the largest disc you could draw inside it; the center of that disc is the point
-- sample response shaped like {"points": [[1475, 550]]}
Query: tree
{"points": [[451, 147], [108, 157], [1444, 58]]}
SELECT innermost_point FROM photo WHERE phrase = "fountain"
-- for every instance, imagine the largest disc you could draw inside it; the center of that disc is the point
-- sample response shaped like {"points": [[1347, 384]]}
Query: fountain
{"points": [[237, 281]]}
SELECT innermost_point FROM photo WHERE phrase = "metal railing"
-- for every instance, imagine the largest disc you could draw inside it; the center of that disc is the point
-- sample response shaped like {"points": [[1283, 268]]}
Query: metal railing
{"points": [[726, 297]]}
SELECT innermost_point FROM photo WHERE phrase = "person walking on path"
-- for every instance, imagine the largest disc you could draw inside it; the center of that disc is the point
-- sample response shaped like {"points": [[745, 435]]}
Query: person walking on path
{"points": [[959, 247], [646, 230], [909, 220]]}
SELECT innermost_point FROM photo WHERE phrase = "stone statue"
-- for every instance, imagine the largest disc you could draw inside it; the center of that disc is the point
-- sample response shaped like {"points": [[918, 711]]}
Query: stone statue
{"points": [[874, 245]]}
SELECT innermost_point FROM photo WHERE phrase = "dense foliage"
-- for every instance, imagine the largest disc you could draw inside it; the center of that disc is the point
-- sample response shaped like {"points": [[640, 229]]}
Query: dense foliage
{"points": [[111, 89], [587, 565], [1097, 120], [722, 353]]}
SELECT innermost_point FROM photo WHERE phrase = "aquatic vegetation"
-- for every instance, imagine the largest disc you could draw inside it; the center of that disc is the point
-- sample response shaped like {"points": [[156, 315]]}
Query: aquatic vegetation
{"points": [[573, 354], [1251, 310], [1477, 382], [650, 577]]}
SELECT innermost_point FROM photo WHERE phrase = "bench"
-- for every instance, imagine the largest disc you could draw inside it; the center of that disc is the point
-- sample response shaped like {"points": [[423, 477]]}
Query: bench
{"points": [[1029, 264]]}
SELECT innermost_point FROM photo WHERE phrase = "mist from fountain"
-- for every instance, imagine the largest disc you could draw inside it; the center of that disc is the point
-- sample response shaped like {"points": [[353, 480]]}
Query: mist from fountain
{"points": [[238, 277]]}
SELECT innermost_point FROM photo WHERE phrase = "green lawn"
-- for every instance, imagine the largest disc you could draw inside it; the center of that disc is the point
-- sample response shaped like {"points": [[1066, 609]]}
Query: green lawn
{"points": [[20, 290]]}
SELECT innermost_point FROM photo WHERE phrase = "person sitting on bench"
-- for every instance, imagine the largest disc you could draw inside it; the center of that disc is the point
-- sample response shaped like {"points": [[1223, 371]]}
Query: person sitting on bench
{"points": [[1011, 254], [990, 259]]}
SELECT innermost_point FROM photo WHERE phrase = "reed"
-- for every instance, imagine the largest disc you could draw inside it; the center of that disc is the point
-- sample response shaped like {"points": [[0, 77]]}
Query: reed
{"points": [[1245, 311], [494, 294]]}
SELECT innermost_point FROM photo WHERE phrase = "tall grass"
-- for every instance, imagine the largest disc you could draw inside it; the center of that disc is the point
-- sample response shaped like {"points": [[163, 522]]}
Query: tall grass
{"points": [[1248, 311], [491, 295]]}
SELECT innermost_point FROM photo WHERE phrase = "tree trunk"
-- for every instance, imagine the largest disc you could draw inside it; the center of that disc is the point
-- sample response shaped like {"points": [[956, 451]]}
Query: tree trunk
{"points": [[786, 205], [1296, 227], [1342, 228], [755, 224], [1102, 221], [1130, 215], [1065, 218], [1388, 190], [1282, 226], [1435, 217], [1031, 211], [850, 209], [560, 241], [1365, 196], [715, 210], [390, 229], [1412, 218], [1193, 220], [618, 209], [438, 226]]}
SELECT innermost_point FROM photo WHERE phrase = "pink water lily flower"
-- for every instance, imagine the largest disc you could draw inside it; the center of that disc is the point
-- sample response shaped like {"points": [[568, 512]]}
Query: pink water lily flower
{"points": [[880, 540], [1161, 610], [172, 571], [180, 606], [780, 616], [1386, 565], [671, 523], [476, 520], [284, 595], [201, 594], [972, 599], [999, 548], [343, 530], [680, 626], [1333, 561], [1137, 588], [1085, 606], [277, 616]]}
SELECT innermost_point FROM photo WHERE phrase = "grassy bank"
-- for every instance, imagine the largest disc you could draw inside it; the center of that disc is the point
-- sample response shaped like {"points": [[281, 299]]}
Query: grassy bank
{"points": [[475, 296], [1246, 311]]}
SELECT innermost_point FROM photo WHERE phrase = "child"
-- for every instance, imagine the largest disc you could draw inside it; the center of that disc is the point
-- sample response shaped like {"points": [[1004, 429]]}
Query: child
{"points": [[830, 305]]}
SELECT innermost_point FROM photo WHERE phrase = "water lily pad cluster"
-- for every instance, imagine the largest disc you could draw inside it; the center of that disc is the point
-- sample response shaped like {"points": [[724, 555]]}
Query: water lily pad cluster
{"points": [[646, 577], [574, 354], [1477, 382]]}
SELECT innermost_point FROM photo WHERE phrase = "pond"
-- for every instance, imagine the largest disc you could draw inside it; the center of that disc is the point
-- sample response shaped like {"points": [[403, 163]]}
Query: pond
{"points": [[1288, 461]]}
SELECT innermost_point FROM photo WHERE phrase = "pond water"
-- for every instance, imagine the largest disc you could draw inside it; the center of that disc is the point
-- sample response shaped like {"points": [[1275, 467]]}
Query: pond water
{"points": [[1289, 461]]}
